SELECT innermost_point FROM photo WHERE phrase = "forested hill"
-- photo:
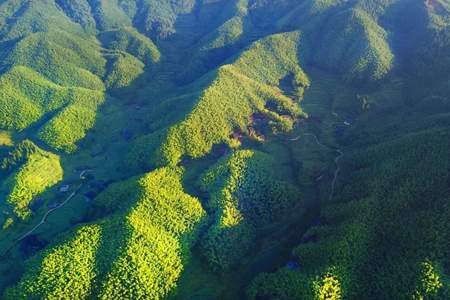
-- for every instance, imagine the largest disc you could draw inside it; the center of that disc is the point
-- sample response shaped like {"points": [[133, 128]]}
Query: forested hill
{"points": [[225, 149]]}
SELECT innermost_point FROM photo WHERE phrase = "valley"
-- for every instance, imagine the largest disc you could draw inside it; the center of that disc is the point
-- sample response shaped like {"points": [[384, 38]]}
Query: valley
{"points": [[241, 149]]}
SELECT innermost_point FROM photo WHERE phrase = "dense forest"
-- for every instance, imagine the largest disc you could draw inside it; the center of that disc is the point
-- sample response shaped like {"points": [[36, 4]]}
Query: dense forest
{"points": [[225, 149]]}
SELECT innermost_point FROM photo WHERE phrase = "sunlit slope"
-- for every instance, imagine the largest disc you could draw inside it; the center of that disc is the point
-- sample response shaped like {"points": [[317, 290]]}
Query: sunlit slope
{"points": [[21, 18], [138, 252], [239, 90], [192, 119], [64, 269], [52, 77], [31, 171], [27, 97], [61, 57]]}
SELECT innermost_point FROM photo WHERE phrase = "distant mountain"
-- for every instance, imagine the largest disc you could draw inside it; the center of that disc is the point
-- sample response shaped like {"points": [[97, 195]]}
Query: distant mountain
{"points": [[224, 149]]}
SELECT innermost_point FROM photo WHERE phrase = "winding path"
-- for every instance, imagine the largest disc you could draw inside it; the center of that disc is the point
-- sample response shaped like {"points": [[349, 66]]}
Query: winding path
{"points": [[44, 218], [339, 156]]}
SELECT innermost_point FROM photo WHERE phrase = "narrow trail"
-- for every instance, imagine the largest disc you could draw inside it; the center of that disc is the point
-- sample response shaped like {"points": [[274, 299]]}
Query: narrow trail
{"points": [[340, 154], [44, 218]]}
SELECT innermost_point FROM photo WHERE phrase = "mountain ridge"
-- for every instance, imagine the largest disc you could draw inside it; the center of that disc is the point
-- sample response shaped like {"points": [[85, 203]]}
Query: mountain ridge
{"points": [[192, 122]]}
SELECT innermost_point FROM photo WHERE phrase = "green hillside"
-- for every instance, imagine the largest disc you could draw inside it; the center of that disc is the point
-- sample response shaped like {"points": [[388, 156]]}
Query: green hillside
{"points": [[33, 171], [224, 149]]}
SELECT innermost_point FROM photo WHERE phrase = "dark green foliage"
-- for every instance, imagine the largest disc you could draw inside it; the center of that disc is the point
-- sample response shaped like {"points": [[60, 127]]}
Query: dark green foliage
{"points": [[362, 53], [244, 198], [109, 14], [142, 155], [158, 17], [290, 284], [216, 86], [124, 70], [18, 155], [390, 214], [79, 11], [131, 41], [345, 37]]}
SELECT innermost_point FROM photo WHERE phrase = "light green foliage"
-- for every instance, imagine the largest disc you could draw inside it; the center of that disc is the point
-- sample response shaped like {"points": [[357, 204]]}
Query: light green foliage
{"points": [[18, 155], [28, 97], [123, 71], [141, 253], [25, 97], [32, 16], [131, 41], [65, 271], [39, 171], [64, 58], [148, 268], [43, 72], [8, 223], [430, 282], [227, 34], [273, 58], [327, 287], [244, 197], [70, 125], [238, 91], [229, 75], [164, 203], [5, 139], [161, 227]]}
